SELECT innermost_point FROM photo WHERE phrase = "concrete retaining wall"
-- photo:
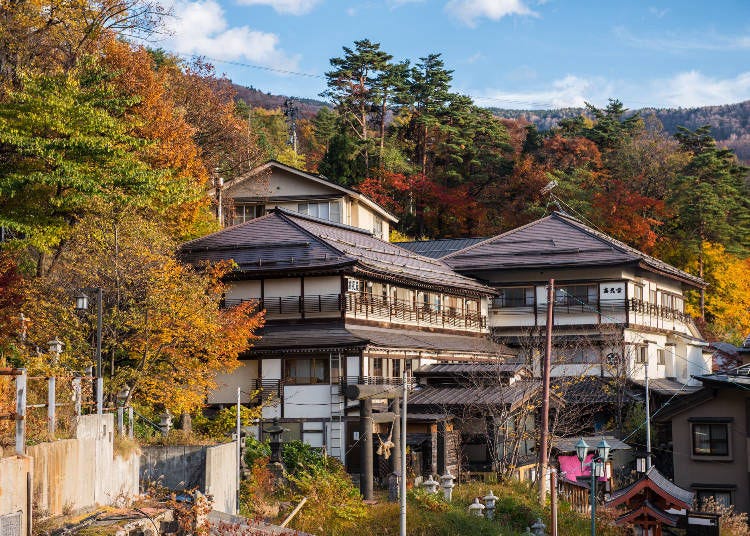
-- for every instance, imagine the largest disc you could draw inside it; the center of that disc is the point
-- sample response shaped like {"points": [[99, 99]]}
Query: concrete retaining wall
{"points": [[82, 472], [221, 477], [14, 472], [212, 470]]}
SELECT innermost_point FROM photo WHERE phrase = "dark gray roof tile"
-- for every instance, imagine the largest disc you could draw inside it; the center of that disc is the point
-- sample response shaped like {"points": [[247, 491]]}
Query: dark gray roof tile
{"points": [[437, 249]]}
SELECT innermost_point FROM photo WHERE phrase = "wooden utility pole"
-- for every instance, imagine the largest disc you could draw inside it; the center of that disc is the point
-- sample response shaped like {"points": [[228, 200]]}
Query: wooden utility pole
{"points": [[546, 364], [553, 502]]}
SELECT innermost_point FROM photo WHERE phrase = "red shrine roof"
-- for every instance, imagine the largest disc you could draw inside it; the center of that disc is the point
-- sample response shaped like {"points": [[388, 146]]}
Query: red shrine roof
{"points": [[672, 494], [648, 511]]}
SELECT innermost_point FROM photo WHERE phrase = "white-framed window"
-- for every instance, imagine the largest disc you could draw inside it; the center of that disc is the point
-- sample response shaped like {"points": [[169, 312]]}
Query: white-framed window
{"points": [[661, 358], [377, 226], [243, 212], [325, 210], [641, 354], [353, 285], [711, 439], [638, 292]]}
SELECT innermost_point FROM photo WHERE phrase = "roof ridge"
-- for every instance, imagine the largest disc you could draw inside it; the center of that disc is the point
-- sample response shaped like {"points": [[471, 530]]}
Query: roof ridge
{"points": [[497, 237], [620, 244], [284, 215], [295, 214], [226, 229]]}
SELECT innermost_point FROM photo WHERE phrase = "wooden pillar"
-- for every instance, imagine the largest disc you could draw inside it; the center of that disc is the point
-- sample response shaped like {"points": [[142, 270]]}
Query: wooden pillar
{"points": [[396, 435], [366, 454]]}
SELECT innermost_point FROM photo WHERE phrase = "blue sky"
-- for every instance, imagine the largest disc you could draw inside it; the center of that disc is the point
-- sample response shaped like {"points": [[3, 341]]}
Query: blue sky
{"points": [[505, 53]]}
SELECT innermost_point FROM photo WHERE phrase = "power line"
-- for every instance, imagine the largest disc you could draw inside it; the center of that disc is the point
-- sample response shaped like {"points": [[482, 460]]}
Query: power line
{"points": [[529, 103]]}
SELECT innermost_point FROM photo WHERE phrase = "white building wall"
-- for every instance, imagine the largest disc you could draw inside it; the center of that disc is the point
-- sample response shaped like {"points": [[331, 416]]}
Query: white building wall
{"points": [[307, 401], [243, 290], [227, 382]]}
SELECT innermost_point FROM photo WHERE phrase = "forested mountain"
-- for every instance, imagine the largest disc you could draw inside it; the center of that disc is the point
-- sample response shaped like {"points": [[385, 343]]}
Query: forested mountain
{"points": [[730, 123]]}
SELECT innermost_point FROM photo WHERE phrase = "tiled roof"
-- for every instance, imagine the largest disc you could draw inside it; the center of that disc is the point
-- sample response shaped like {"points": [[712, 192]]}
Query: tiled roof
{"points": [[585, 390], [497, 395], [439, 248], [660, 481], [436, 342], [436, 369], [287, 241], [568, 444], [319, 335], [668, 386], [557, 241]]}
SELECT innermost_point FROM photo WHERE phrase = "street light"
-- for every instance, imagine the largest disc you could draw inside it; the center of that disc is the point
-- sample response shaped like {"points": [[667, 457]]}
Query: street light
{"points": [[597, 465], [82, 305]]}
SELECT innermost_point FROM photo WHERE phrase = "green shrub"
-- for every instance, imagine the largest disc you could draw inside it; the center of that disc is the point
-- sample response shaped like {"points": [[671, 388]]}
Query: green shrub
{"points": [[255, 450]]}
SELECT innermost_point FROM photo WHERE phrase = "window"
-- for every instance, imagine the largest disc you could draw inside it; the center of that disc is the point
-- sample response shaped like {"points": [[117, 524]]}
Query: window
{"points": [[306, 371], [722, 497], [325, 210], [242, 213], [514, 297], [353, 285], [641, 354], [396, 368], [377, 227], [576, 295], [377, 367], [711, 439], [638, 292], [652, 296], [660, 357], [666, 300]]}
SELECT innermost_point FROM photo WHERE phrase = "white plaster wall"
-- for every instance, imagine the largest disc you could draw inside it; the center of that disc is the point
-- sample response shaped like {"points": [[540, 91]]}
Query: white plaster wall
{"points": [[307, 401], [290, 286], [243, 290], [352, 366], [227, 383], [322, 285], [13, 498], [221, 476], [271, 369]]}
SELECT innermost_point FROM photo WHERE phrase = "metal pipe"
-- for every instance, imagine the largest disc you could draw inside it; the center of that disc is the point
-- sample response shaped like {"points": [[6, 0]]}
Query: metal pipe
{"points": [[239, 449], [593, 497], [648, 419], [21, 413]]}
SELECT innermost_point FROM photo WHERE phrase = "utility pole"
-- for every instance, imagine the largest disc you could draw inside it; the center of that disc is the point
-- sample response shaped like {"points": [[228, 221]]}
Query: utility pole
{"points": [[544, 439], [553, 501], [648, 418], [403, 458], [239, 449]]}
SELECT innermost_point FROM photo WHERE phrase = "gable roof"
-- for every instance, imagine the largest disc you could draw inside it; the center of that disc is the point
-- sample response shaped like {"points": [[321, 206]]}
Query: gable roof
{"points": [[320, 179], [511, 395], [286, 241], [672, 494], [557, 241], [439, 248]]}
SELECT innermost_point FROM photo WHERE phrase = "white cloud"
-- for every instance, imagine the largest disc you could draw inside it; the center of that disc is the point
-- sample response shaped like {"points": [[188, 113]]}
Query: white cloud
{"points": [[684, 43], [470, 11], [693, 88], [287, 7], [569, 91], [658, 13], [201, 28]]}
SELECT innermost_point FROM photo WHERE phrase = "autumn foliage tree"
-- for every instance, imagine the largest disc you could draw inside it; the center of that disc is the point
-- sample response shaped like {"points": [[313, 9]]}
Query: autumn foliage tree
{"points": [[164, 332]]}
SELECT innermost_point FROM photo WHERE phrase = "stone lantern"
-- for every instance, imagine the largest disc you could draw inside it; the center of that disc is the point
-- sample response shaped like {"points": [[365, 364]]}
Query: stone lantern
{"points": [[446, 481], [538, 528], [430, 485], [489, 501], [476, 508], [275, 432], [165, 422]]}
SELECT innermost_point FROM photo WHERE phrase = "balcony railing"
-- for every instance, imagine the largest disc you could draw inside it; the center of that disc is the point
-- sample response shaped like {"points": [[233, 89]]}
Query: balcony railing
{"points": [[407, 312], [374, 380], [291, 305], [652, 309]]}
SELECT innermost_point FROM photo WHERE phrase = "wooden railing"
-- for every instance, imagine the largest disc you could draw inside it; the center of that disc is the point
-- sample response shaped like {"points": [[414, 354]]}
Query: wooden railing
{"points": [[652, 309], [374, 380], [291, 305], [407, 312]]}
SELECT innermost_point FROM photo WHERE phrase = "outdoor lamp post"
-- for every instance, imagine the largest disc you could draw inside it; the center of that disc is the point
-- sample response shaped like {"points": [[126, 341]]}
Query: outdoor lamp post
{"points": [[82, 305], [597, 465]]}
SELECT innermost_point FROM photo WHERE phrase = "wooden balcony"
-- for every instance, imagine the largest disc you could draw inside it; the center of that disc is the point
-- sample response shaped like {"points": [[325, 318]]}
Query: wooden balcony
{"points": [[293, 305], [406, 312]]}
